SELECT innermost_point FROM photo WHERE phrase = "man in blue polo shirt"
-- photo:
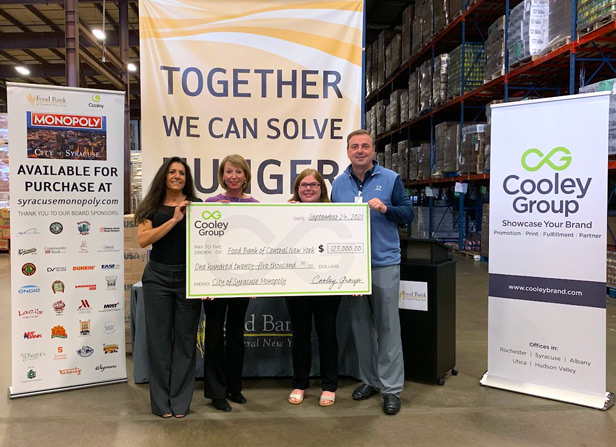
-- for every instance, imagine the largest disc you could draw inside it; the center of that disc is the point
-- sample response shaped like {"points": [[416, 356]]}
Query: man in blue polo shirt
{"points": [[374, 319]]}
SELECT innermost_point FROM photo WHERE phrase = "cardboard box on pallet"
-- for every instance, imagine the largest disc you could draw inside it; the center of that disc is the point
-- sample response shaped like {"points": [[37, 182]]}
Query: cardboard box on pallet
{"points": [[604, 86], [425, 86], [592, 11], [403, 160], [446, 148], [439, 80], [414, 94], [471, 156], [495, 50], [413, 162], [368, 69], [392, 55], [383, 40], [407, 29], [404, 106], [441, 14], [424, 161]]}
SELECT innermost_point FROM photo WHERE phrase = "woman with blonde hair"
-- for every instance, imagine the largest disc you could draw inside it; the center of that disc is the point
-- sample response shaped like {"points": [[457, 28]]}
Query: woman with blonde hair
{"points": [[224, 344]]}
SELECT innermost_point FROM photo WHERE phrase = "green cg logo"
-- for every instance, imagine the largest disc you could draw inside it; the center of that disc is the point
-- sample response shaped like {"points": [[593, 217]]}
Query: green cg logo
{"points": [[96, 98], [563, 162], [214, 215]]}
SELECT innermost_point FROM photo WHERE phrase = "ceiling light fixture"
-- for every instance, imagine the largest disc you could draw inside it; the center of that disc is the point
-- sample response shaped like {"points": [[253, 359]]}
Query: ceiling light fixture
{"points": [[131, 67], [99, 34], [22, 70]]}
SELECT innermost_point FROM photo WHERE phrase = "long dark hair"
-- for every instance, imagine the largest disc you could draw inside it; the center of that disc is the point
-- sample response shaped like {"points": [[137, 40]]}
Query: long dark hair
{"points": [[319, 178], [158, 188]]}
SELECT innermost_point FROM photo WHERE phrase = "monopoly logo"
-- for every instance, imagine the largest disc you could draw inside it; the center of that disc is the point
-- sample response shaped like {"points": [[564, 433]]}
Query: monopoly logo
{"points": [[56, 269], [30, 313], [102, 368], [57, 287], [528, 192], [28, 269], [77, 268], [31, 356], [86, 286], [110, 229], [70, 371], [72, 121], [83, 227], [29, 289], [56, 228], [110, 349], [110, 307], [211, 224], [85, 351], [31, 335], [26, 251], [109, 327], [58, 332], [110, 266], [54, 250], [59, 307]]}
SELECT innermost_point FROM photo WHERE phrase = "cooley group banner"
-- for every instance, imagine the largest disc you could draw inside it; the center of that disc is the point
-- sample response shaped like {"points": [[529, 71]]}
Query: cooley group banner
{"points": [[278, 82], [66, 159], [548, 211]]}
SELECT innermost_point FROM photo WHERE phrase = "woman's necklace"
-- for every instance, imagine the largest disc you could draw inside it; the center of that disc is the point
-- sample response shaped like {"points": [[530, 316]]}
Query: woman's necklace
{"points": [[233, 199]]}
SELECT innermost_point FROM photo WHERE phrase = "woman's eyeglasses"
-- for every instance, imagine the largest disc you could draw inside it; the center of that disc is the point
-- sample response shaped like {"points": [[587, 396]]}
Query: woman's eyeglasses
{"points": [[309, 185]]}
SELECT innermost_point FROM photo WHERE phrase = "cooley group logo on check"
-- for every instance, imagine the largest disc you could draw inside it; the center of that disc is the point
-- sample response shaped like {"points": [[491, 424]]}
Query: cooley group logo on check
{"points": [[211, 224], [549, 193]]}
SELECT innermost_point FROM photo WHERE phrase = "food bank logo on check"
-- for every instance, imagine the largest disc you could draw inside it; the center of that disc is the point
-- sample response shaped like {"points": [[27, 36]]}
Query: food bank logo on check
{"points": [[211, 224]]}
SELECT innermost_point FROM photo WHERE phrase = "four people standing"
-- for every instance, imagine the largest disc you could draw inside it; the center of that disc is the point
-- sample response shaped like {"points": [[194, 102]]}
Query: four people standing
{"points": [[171, 319]]}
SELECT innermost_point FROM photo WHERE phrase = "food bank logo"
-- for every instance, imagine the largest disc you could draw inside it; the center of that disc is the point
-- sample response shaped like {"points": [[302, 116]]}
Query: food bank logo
{"points": [[530, 156]]}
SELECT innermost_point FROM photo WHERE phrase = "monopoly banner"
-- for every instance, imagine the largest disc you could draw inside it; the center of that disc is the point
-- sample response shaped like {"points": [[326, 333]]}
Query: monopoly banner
{"points": [[67, 300], [548, 212], [259, 249], [276, 81]]}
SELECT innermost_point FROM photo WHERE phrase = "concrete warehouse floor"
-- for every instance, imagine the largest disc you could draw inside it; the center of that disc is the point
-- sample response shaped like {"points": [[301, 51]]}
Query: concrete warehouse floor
{"points": [[460, 413]]}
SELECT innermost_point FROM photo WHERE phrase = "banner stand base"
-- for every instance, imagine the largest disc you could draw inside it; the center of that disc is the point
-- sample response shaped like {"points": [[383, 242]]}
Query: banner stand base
{"points": [[573, 397], [13, 395]]}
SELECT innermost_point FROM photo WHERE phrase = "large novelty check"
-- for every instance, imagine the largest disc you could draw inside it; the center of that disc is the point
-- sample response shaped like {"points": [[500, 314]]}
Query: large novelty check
{"points": [[258, 249]]}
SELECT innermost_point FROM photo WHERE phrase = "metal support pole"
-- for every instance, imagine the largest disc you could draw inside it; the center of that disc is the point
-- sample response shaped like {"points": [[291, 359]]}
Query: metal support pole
{"points": [[572, 53], [123, 10], [71, 43], [461, 222]]}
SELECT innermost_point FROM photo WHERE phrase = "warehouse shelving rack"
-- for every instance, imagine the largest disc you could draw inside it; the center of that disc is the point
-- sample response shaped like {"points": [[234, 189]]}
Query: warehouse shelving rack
{"points": [[560, 71]]}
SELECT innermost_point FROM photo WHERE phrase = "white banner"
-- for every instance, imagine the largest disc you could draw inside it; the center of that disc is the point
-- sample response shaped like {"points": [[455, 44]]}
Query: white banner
{"points": [[67, 306], [258, 249], [276, 81], [548, 195]]}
